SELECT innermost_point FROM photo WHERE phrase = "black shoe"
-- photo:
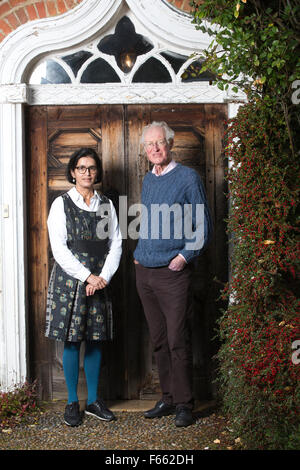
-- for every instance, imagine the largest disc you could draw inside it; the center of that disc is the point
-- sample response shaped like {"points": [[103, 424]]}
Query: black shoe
{"points": [[184, 416], [72, 416], [100, 411], [160, 409]]}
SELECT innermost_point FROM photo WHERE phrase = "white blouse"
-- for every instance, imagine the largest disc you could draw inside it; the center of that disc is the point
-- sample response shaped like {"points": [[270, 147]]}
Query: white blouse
{"points": [[58, 238]]}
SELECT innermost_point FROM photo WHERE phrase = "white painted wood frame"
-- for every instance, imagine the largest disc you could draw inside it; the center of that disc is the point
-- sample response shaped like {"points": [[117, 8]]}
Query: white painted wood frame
{"points": [[19, 52]]}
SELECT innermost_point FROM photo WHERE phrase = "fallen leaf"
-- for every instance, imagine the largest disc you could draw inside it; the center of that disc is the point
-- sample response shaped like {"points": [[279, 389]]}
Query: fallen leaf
{"points": [[217, 441]]}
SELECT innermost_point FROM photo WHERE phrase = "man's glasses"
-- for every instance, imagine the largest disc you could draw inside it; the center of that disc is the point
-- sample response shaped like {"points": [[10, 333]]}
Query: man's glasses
{"points": [[158, 143], [82, 169]]}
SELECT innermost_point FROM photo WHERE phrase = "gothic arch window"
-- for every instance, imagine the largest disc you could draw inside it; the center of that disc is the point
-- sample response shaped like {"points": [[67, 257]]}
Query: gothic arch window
{"points": [[123, 56]]}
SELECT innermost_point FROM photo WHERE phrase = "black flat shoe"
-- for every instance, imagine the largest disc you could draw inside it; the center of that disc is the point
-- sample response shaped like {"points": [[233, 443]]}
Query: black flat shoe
{"points": [[99, 410], [160, 409], [184, 417], [72, 416]]}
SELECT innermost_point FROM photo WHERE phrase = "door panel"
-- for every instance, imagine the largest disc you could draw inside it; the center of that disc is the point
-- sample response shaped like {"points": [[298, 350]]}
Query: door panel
{"points": [[197, 144], [54, 132], [38, 263]]}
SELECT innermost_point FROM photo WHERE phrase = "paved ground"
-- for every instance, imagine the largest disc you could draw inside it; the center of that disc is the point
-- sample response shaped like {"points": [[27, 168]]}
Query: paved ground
{"points": [[131, 431]]}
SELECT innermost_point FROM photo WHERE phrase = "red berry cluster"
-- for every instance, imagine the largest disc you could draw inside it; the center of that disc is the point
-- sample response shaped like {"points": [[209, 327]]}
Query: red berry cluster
{"points": [[261, 322]]}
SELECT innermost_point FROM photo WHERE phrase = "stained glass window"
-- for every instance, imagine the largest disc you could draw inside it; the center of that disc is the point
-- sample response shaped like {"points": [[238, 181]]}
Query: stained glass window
{"points": [[112, 58]]}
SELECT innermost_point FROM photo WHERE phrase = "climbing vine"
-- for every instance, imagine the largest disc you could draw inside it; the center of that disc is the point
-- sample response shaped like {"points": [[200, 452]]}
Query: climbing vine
{"points": [[255, 48]]}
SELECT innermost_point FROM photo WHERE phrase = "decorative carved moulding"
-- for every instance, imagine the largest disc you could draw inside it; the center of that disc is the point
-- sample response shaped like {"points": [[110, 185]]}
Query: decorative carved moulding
{"points": [[14, 93], [121, 94], [114, 94]]}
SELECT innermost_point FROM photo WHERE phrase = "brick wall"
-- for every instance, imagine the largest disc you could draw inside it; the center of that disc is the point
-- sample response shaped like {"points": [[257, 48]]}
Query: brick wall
{"points": [[181, 4], [14, 13]]}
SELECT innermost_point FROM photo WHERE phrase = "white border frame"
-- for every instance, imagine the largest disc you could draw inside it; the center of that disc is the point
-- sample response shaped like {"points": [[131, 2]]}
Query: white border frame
{"points": [[18, 54]]}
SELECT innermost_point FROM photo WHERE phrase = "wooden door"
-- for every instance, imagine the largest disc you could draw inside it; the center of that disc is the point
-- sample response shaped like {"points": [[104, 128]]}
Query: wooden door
{"points": [[53, 133]]}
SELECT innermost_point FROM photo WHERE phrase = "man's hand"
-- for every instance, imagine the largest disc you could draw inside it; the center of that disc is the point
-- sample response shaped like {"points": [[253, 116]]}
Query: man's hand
{"points": [[177, 264]]}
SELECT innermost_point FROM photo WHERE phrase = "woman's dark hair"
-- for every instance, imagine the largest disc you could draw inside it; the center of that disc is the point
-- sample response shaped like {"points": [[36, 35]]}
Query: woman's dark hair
{"points": [[75, 157]]}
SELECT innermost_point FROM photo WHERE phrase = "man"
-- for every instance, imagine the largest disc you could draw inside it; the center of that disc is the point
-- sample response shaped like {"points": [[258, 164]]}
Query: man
{"points": [[163, 259]]}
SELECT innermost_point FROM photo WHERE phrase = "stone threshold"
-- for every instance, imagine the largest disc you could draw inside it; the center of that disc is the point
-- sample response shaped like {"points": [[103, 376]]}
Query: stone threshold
{"points": [[129, 405]]}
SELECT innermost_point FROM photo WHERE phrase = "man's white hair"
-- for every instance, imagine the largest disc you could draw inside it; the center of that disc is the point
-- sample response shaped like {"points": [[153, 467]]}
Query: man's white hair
{"points": [[169, 133]]}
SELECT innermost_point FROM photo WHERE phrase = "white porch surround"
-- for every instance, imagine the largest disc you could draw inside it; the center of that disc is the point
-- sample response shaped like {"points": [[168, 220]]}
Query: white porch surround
{"points": [[18, 53], [13, 342]]}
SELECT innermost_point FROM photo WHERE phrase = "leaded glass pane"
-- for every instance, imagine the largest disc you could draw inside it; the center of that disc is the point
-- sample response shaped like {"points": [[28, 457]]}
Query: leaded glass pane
{"points": [[76, 60], [49, 72], [176, 60], [193, 73], [152, 71], [99, 71]]}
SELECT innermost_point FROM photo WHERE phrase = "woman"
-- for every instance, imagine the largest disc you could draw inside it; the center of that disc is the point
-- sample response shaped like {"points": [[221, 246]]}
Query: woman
{"points": [[78, 305]]}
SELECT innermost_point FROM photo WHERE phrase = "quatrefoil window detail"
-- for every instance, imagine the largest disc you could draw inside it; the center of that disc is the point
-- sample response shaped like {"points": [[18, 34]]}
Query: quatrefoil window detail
{"points": [[124, 40]]}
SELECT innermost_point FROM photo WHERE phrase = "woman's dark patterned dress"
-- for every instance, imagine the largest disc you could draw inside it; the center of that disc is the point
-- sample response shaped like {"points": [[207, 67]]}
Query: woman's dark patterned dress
{"points": [[70, 314]]}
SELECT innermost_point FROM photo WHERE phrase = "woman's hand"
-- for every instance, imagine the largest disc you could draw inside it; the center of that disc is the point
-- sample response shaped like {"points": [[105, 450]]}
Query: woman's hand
{"points": [[96, 281], [90, 290]]}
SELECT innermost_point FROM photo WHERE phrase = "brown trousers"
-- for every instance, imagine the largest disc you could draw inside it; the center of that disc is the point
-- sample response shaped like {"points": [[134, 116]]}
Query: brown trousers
{"points": [[167, 301]]}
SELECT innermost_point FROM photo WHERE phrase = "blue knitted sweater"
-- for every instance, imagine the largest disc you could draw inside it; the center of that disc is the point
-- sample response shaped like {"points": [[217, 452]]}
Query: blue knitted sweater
{"points": [[175, 217]]}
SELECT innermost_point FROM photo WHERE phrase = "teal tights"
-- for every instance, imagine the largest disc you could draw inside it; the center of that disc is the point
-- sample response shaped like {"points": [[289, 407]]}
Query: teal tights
{"points": [[92, 363]]}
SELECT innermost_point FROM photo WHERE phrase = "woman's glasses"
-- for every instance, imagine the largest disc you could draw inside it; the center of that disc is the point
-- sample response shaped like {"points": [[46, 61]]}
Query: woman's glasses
{"points": [[82, 169]]}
